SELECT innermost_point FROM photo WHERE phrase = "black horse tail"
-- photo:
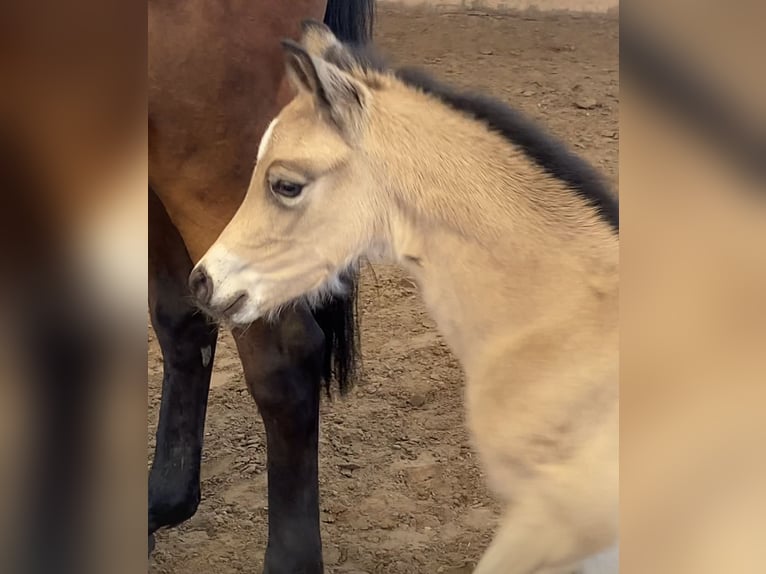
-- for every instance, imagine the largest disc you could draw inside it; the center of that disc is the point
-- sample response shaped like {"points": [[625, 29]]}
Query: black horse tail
{"points": [[351, 21], [339, 320]]}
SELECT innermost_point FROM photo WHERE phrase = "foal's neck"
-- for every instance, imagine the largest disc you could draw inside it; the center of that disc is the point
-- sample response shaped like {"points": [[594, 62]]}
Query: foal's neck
{"points": [[500, 248]]}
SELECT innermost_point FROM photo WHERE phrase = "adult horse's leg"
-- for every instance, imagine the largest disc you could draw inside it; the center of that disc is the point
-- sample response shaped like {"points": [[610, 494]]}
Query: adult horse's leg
{"points": [[216, 81], [283, 364], [187, 339]]}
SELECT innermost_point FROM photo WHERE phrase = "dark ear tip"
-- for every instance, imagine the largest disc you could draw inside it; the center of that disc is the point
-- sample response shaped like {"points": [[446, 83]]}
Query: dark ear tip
{"points": [[311, 23]]}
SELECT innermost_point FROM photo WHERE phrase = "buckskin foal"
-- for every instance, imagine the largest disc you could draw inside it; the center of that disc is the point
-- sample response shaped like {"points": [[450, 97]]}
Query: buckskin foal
{"points": [[513, 242]]}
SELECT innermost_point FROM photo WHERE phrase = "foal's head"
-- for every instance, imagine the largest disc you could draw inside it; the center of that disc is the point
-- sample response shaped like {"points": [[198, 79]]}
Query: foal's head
{"points": [[309, 210], [361, 155]]}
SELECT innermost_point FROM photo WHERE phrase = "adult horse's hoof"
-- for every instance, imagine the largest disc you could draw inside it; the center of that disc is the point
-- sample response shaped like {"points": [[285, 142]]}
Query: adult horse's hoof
{"points": [[151, 544]]}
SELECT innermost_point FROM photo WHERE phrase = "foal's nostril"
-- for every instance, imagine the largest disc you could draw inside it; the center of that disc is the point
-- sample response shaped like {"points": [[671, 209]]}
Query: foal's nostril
{"points": [[200, 285]]}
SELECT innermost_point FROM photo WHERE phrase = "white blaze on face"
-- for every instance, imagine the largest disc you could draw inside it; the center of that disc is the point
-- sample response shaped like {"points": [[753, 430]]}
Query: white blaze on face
{"points": [[264, 145]]}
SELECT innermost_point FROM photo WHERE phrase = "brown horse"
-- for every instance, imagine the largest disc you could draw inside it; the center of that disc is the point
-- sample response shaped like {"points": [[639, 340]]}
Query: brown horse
{"points": [[216, 79]]}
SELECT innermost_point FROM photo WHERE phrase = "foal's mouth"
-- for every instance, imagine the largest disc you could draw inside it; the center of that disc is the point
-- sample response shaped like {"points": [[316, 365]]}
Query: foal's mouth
{"points": [[235, 306], [224, 313]]}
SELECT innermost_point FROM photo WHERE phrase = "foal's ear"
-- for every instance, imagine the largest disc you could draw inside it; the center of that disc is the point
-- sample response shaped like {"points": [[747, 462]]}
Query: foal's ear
{"points": [[317, 38], [341, 98], [319, 41]]}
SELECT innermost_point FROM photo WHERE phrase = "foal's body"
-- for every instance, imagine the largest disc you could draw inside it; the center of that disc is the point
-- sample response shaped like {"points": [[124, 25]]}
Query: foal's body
{"points": [[513, 242], [538, 342], [522, 282]]}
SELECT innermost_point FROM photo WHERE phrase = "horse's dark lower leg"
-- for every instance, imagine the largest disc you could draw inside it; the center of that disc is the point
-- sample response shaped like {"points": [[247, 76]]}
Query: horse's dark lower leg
{"points": [[282, 365], [188, 344], [187, 340]]}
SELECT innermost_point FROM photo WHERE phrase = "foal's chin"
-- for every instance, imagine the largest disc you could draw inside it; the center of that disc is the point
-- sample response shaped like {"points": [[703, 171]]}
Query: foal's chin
{"points": [[241, 315], [307, 292], [244, 316], [260, 308]]}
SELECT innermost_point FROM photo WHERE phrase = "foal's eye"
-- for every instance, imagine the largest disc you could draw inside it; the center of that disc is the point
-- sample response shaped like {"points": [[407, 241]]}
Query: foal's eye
{"points": [[284, 188]]}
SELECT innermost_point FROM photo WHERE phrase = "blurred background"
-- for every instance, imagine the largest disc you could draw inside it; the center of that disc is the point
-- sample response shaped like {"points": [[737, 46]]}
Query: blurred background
{"points": [[73, 172], [693, 319]]}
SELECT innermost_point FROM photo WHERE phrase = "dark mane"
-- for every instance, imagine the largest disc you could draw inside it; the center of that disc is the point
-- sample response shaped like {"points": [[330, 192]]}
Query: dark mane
{"points": [[351, 20], [546, 151], [549, 153]]}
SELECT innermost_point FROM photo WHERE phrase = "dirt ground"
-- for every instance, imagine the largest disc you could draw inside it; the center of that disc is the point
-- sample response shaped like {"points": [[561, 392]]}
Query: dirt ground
{"points": [[401, 492]]}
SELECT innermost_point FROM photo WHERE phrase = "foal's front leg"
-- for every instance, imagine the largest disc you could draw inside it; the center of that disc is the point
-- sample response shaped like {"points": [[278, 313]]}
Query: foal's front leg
{"points": [[187, 340], [282, 364]]}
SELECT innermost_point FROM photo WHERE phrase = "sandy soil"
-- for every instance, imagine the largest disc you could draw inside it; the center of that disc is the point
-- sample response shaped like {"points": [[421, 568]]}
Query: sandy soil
{"points": [[401, 492]]}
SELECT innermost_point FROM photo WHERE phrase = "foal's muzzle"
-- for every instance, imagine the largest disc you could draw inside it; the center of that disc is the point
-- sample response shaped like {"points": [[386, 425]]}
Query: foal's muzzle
{"points": [[202, 288], [200, 285]]}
